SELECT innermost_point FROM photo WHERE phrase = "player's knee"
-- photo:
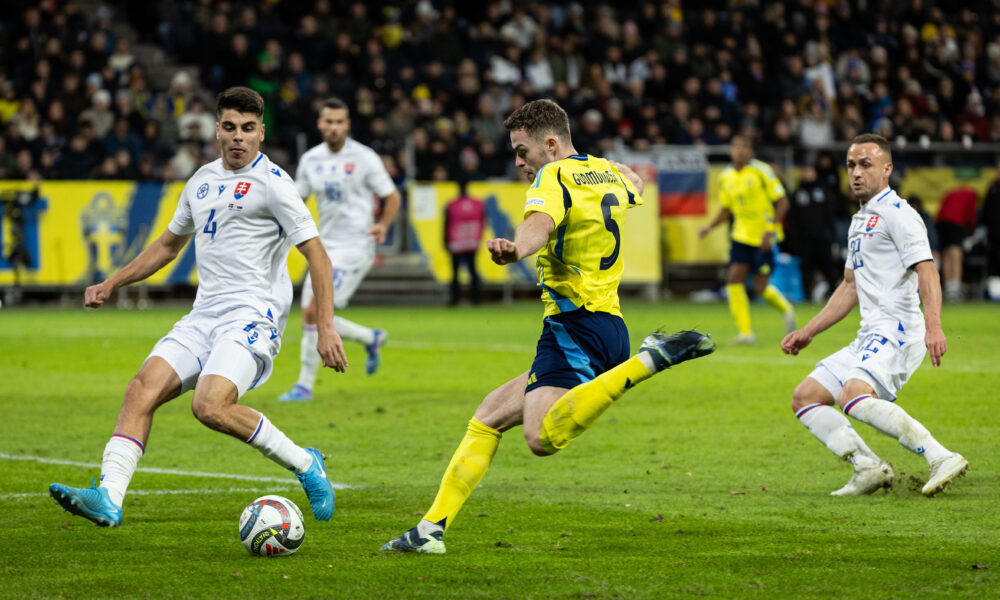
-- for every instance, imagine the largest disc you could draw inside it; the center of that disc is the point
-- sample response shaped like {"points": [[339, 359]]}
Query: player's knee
{"points": [[805, 394], [851, 390], [534, 441], [141, 394], [209, 413]]}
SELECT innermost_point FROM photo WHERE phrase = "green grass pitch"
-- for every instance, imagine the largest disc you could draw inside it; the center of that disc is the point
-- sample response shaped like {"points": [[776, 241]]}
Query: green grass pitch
{"points": [[699, 482]]}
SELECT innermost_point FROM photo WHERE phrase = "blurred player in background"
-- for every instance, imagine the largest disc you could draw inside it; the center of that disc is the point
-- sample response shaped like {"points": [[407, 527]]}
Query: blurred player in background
{"points": [[244, 213], [889, 271], [345, 175], [751, 193], [574, 217]]}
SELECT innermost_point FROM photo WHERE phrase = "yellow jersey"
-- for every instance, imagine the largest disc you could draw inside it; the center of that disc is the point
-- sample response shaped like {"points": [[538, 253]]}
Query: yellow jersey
{"points": [[581, 265], [750, 194]]}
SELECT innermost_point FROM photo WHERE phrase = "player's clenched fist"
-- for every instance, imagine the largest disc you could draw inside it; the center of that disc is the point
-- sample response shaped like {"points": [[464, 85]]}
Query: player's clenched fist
{"points": [[95, 295], [795, 341], [502, 251]]}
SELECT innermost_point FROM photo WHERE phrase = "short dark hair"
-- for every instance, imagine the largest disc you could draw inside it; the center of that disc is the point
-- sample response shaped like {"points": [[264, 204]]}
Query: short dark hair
{"points": [[538, 118], [874, 138], [336, 104], [242, 100]]}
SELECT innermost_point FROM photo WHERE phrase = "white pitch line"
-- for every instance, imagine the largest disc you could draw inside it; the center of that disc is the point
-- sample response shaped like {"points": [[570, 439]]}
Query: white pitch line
{"points": [[73, 463], [163, 492]]}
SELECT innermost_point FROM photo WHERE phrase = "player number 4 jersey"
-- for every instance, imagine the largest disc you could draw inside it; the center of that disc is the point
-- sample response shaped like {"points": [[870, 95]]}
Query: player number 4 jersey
{"points": [[345, 183], [581, 265], [887, 238], [243, 223]]}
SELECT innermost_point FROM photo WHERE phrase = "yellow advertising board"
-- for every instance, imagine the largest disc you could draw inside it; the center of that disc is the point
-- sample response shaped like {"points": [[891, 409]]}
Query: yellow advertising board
{"points": [[75, 233], [504, 203]]}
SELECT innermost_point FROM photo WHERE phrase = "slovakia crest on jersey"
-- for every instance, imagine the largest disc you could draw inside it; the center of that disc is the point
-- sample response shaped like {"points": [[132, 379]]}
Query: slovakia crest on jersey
{"points": [[202, 191], [241, 190], [872, 222], [349, 168]]}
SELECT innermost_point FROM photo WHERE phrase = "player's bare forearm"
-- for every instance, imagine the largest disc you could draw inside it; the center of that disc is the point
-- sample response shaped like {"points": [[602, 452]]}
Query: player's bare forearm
{"points": [[329, 344], [930, 296], [780, 209], [156, 256], [841, 303], [530, 236], [390, 207], [719, 218]]}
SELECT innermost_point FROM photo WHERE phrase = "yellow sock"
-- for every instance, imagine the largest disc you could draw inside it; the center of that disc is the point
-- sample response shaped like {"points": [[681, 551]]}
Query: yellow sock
{"points": [[578, 408], [739, 305], [466, 469], [775, 299]]}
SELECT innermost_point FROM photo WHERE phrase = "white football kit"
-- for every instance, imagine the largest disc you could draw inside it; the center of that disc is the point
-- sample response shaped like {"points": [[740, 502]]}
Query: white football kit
{"points": [[887, 238], [345, 184], [243, 222]]}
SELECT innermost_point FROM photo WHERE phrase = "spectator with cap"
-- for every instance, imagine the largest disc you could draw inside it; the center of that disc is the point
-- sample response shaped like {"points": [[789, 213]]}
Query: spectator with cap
{"points": [[100, 115]]}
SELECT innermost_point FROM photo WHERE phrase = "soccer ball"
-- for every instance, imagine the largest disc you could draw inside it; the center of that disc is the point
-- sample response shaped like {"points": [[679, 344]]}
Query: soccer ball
{"points": [[272, 526]]}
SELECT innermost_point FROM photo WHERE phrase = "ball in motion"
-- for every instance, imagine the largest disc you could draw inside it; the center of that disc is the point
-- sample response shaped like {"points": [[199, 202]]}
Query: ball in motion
{"points": [[272, 526]]}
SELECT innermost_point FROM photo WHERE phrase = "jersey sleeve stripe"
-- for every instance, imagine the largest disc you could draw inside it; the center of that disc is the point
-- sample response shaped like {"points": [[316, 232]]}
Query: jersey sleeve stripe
{"points": [[538, 176], [567, 200]]}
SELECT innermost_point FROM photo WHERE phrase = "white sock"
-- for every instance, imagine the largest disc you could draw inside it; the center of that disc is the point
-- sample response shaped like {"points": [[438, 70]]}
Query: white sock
{"points": [[425, 527], [121, 455], [891, 420], [309, 357], [832, 428], [349, 330], [275, 445]]}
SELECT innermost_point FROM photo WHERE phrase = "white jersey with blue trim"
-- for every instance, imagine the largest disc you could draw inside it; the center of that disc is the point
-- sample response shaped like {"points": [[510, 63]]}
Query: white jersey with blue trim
{"points": [[243, 223], [887, 238], [345, 183]]}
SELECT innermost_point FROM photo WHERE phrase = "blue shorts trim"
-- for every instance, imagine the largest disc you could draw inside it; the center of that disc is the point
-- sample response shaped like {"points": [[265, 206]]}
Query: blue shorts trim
{"points": [[577, 346], [753, 256]]}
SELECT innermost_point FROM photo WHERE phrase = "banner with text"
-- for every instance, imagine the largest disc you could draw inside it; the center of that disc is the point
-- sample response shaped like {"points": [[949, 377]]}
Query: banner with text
{"points": [[504, 204]]}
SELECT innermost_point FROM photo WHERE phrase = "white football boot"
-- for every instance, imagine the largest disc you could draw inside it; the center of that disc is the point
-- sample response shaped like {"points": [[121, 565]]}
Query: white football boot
{"points": [[869, 475], [943, 470]]}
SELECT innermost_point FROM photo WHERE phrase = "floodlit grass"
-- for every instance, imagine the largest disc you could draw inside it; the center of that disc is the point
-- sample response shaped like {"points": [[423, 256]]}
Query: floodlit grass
{"points": [[700, 482]]}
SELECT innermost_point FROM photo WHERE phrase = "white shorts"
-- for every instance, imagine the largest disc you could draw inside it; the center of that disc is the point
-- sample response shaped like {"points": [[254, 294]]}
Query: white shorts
{"points": [[350, 265], [880, 361], [239, 344]]}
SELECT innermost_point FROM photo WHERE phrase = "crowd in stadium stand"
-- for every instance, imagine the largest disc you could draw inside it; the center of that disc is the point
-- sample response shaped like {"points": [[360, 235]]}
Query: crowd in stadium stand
{"points": [[75, 103]]}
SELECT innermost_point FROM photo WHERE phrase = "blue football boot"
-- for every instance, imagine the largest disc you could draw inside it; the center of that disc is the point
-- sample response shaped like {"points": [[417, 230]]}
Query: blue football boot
{"points": [[298, 393], [318, 488], [374, 349], [90, 503]]}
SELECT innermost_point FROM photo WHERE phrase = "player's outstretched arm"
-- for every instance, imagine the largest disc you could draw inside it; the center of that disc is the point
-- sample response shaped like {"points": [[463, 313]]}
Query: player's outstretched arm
{"points": [[328, 344], [390, 206], [529, 238], [722, 217], [930, 297], [841, 303], [152, 259]]}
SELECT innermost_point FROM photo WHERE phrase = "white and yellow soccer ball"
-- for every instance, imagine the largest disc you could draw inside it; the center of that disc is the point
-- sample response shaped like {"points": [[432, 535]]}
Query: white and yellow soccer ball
{"points": [[272, 526]]}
